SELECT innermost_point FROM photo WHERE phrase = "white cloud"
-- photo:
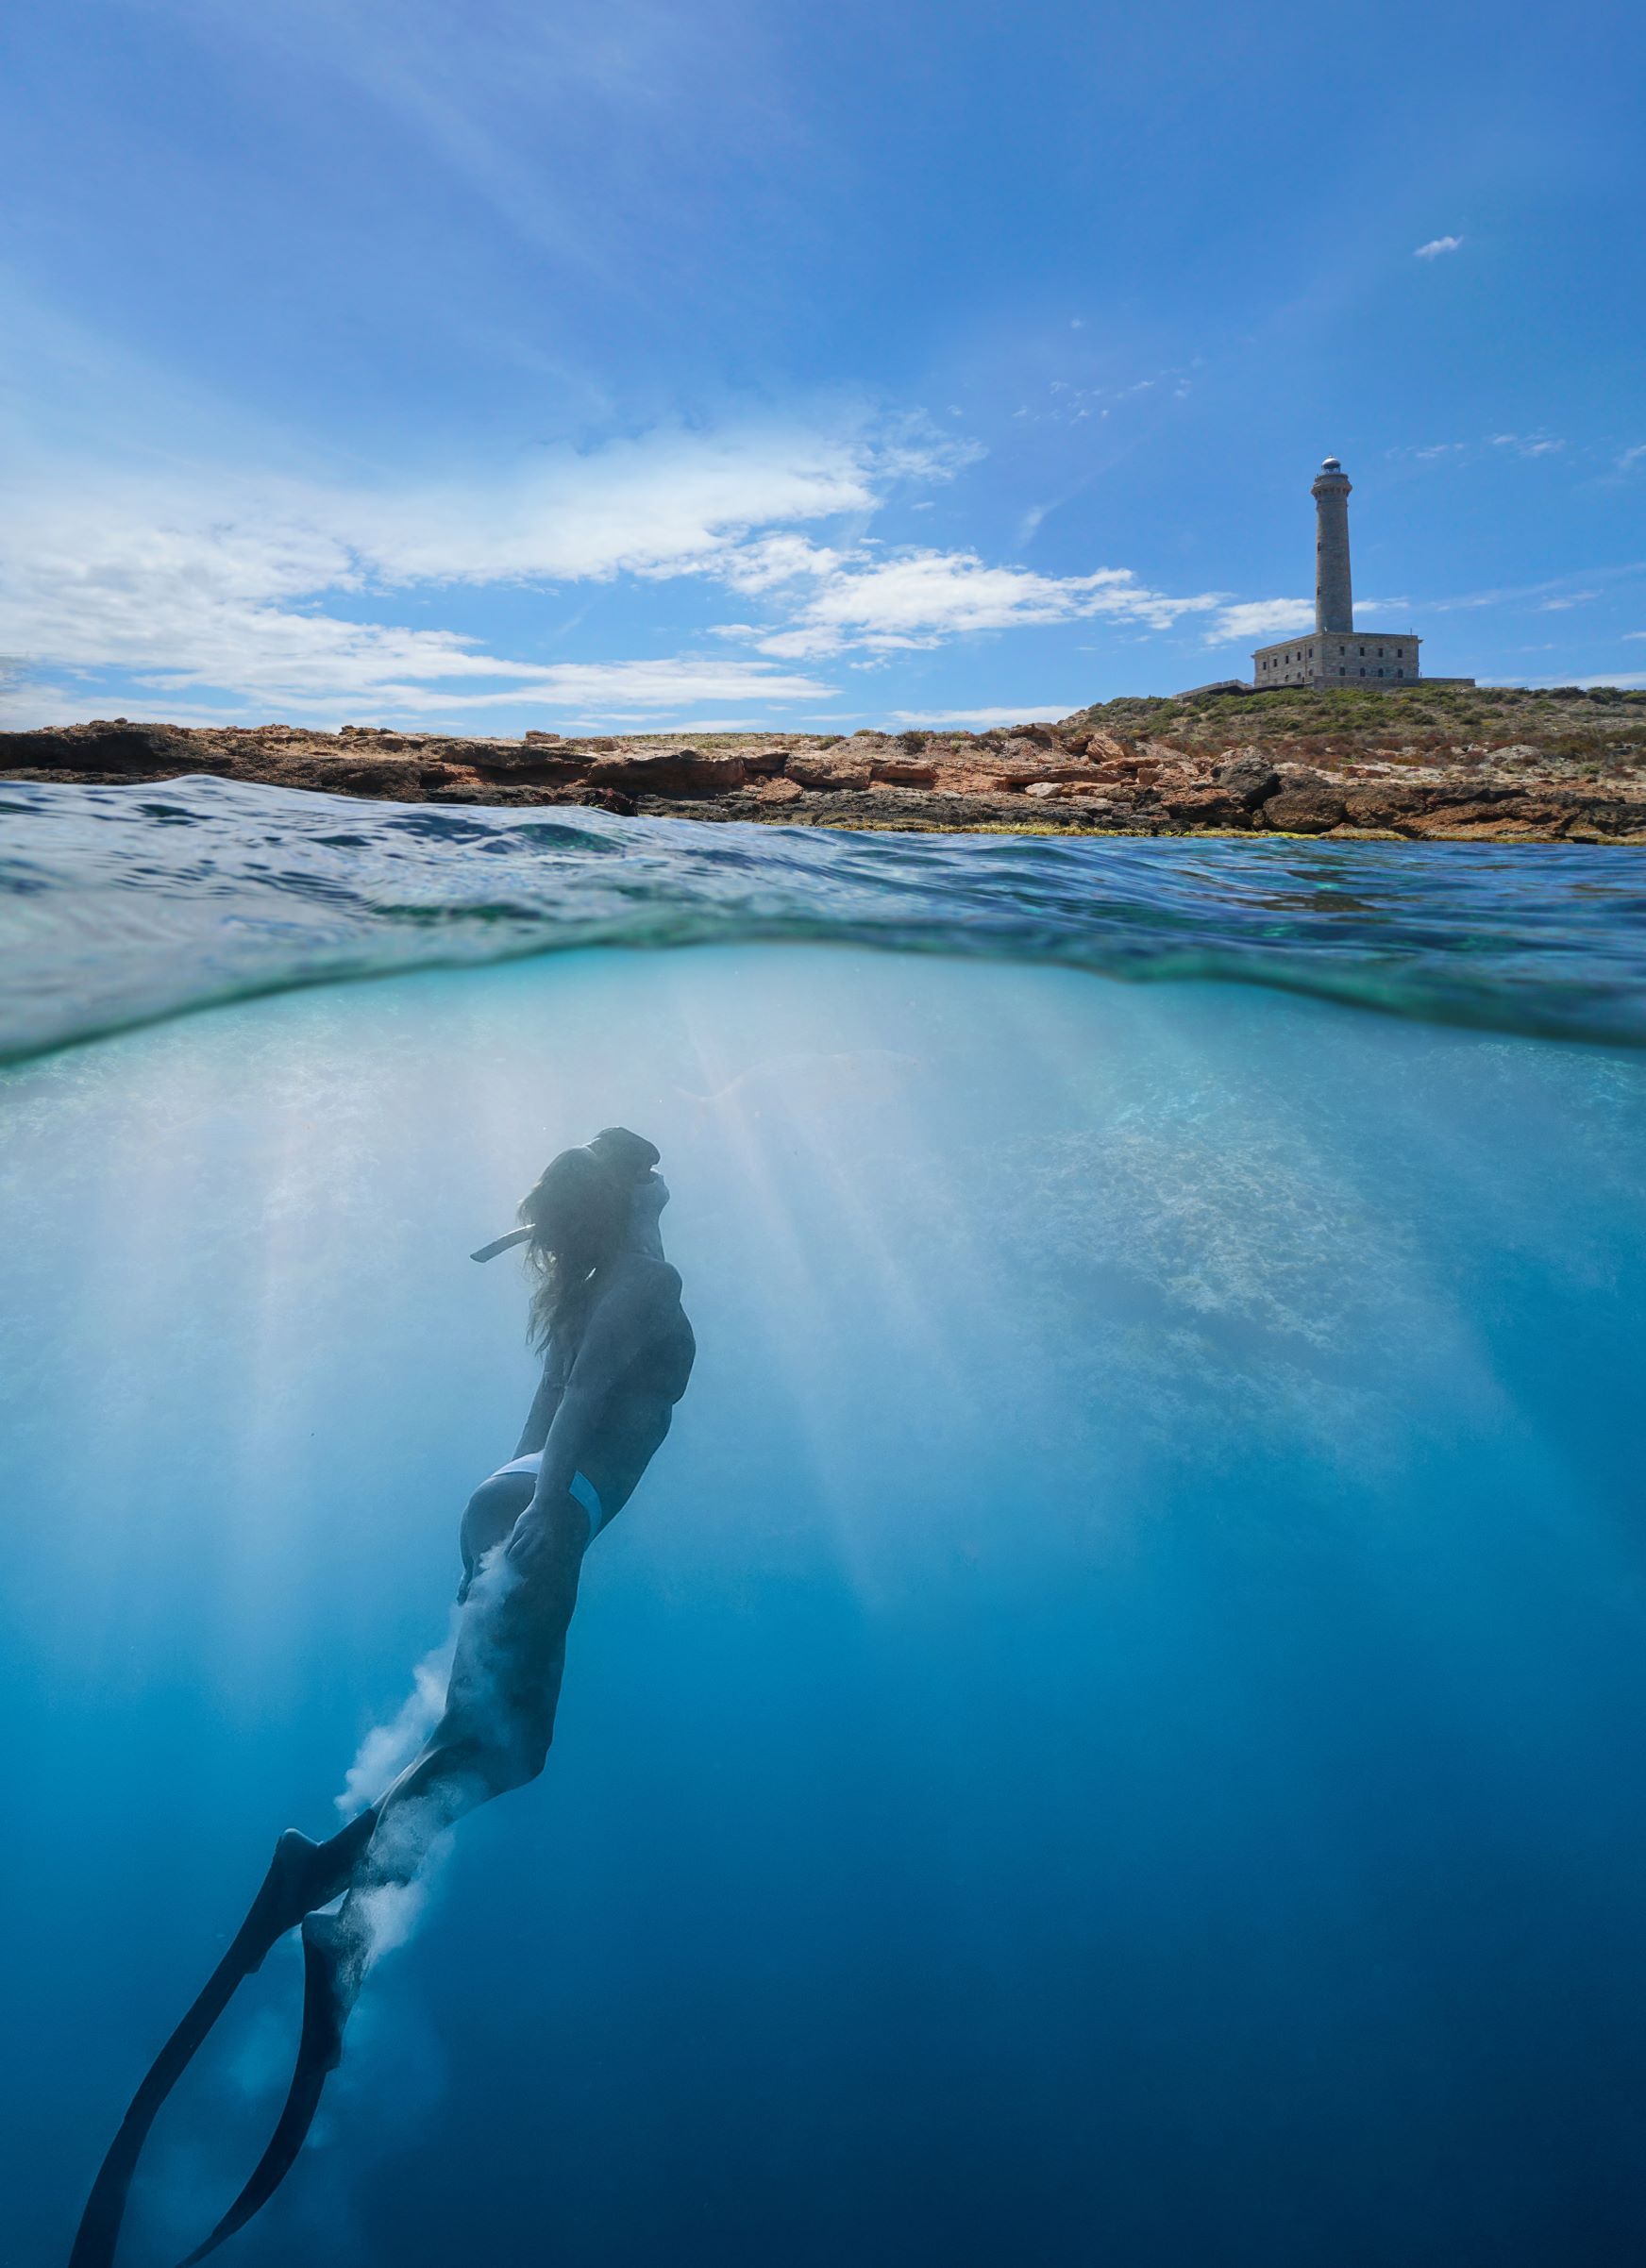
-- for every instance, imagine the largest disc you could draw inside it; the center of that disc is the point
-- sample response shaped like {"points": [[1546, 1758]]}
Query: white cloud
{"points": [[1436, 246], [917, 599], [1631, 458], [1261, 619], [207, 579], [772, 560], [666, 504], [1559, 606], [229, 593]]}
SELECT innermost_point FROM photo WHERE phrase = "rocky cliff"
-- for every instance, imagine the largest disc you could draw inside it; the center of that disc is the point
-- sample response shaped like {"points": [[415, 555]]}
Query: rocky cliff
{"points": [[1508, 766]]}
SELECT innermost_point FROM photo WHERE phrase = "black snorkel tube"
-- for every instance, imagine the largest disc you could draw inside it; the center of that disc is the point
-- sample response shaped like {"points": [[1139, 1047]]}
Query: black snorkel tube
{"points": [[629, 1155]]}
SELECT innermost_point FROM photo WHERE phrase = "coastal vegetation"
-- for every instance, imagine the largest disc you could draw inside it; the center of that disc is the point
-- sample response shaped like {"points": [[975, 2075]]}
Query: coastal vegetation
{"points": [[1601, 726]]}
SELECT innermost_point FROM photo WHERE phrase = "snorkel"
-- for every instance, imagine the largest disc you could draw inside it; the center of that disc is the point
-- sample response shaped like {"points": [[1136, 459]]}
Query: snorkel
{"points": [[630, 1156]]}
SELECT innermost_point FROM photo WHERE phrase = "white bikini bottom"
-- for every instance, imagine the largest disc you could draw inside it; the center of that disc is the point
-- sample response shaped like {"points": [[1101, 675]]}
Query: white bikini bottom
{"points": [[581, 1487]]}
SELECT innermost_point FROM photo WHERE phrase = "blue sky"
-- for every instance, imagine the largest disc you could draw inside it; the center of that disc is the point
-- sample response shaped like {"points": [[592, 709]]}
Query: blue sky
{"points": [[615, 363]]}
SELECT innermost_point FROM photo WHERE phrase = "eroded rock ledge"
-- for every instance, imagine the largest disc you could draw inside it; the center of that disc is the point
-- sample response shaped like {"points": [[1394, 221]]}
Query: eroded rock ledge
{"points": [[1042, 777]]}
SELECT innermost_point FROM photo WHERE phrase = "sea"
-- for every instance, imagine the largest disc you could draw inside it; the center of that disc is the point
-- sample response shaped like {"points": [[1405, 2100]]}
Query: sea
{"points": [[1112, 1733]]}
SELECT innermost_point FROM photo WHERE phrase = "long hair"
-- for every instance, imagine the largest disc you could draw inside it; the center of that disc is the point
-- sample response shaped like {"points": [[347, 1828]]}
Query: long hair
{"points": [[577, 1211]]}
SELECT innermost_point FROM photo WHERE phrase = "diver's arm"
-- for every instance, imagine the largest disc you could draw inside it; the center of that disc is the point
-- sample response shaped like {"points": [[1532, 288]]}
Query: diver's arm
{"points": [[569, 1438], [533, 1533], [540, 1417], [617, 1331]]}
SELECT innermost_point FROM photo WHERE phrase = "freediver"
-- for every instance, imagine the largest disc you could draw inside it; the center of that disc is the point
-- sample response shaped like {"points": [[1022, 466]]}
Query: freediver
{"points": [[617, 1353]]}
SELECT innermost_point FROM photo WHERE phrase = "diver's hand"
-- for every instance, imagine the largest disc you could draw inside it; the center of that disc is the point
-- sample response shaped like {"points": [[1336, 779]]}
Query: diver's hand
{"points": [[539, 1534]]}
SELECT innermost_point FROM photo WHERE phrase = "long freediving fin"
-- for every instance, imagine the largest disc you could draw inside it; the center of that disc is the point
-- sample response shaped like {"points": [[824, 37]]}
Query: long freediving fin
{"points": [[333, 1969], [302, 1875]]}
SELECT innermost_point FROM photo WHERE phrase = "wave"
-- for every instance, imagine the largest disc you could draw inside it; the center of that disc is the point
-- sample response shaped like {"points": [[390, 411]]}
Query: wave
{"points": [[120, 905]]}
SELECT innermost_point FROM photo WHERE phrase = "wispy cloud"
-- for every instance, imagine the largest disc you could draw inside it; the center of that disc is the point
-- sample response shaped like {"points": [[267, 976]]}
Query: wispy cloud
{"points": [[917, 599], [1522, 444], [1631, 458], [1437, 247], [1527, 445], [1557, 588], [1559, 606]]}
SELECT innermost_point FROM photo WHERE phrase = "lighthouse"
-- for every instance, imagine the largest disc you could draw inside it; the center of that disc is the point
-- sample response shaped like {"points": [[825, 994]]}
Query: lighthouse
{"points": [[1338, 654], [1333, 586]]}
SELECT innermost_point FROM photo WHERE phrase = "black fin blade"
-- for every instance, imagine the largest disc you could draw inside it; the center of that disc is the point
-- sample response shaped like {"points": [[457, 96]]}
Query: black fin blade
{"points": [[302, 1875], [331, 1982], [99, 2229]]}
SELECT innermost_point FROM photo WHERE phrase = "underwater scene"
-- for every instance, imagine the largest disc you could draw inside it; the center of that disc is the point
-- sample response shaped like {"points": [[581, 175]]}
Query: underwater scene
{"points": [[1106, 1710]]}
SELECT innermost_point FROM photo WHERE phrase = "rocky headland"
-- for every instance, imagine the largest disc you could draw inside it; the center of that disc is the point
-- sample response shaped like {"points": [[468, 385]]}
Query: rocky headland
{"points": [[1439, 765]]}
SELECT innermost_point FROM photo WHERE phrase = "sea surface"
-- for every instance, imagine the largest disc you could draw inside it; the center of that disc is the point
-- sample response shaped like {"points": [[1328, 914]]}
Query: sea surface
{"points": [[1112, 1734]]}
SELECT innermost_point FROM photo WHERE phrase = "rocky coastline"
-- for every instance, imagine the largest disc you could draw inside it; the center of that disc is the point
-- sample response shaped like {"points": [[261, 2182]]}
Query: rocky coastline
{"points": [[1202, 768]]}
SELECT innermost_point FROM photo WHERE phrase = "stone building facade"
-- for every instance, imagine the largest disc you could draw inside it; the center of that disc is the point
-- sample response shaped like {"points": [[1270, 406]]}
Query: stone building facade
{"points": [[1329, 658]]}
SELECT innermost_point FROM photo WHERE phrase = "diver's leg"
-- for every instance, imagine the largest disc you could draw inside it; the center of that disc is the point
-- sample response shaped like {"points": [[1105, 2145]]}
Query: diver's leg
{"points": [[494, 1736], [302, 1876]]}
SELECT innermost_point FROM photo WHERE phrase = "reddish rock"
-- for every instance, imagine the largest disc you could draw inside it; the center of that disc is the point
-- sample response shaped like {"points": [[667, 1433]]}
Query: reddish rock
{"points": [[1205, 806], [972, 780], [669, 772], [1603, 818], [398, 778], [102, 748], [551, 765], [1391, 806], [1303, 807], [1249, 776], [1493, 814], [831, 768], [1075, 773], [1437, 789], [602, 797]]}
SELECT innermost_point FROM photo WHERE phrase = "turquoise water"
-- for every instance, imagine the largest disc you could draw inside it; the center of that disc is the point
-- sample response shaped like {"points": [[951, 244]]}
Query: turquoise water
{"points": [[1112, 1730]]}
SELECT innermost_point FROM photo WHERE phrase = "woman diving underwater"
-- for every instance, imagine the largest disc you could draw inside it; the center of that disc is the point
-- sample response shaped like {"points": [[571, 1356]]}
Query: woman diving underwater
{"points": [[617, 1351]]}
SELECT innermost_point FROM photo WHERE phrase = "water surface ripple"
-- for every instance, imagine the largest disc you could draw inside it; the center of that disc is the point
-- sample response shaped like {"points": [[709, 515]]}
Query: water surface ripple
{"points": [[121, 905]]}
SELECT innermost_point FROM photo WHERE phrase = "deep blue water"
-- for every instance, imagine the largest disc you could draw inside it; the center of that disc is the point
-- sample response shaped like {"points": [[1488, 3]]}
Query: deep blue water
{"points": [[1112, 1732]]}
